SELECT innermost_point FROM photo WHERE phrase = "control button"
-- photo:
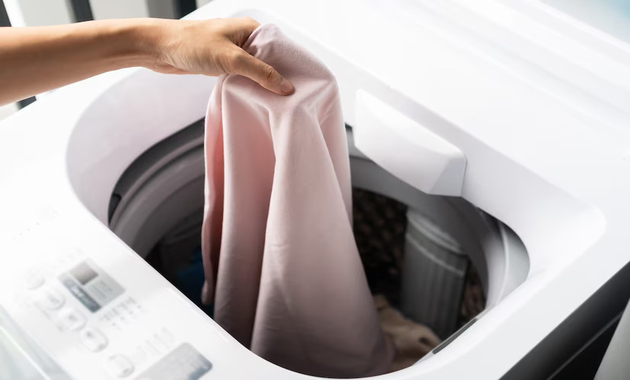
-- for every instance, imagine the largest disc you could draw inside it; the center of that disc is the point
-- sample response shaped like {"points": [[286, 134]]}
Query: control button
{"points": [[33, 280], [120, 366], [70, 319], [93, 339], [51, 299]]}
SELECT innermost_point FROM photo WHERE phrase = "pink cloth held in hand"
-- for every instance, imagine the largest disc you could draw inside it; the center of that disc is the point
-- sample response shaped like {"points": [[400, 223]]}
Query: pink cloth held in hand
{"points": [[278, 248]]}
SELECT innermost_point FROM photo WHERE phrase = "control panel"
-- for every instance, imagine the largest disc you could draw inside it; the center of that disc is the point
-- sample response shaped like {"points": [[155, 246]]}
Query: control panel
{"points": [[93, 326]]}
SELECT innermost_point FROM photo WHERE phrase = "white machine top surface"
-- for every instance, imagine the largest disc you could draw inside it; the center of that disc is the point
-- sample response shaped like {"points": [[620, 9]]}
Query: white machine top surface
{"points": [[538, 103]]}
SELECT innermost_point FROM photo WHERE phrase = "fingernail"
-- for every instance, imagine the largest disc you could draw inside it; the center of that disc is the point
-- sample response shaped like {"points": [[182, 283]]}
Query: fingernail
{"points": [[286, 87]]}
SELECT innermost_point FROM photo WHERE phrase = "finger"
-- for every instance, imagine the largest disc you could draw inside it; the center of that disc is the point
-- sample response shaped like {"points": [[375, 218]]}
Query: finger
{"points": [[262, 73], [248, 23], [244, 27]]}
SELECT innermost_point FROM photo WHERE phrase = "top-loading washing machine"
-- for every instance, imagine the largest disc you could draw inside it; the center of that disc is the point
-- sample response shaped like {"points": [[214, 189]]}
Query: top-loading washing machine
{"points": [[505, 123]]}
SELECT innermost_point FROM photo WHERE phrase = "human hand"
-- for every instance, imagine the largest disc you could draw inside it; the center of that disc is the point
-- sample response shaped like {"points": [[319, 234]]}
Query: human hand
{"points": [[209, 47]]}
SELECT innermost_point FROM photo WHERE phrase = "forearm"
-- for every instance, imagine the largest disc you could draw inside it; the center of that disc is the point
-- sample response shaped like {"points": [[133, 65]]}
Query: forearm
{"points": [[37, 59]]}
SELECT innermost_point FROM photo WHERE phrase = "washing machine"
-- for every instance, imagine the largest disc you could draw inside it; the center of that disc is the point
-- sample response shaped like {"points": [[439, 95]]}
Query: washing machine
{"points": [[503, 122]]}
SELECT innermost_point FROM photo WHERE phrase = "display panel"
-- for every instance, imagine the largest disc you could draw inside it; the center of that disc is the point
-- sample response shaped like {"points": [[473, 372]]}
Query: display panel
{"points": [[89, 284], [183, 363]]}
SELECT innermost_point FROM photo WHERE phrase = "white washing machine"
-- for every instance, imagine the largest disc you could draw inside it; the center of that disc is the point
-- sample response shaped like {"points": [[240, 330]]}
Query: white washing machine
{"points": [[510, 113]]}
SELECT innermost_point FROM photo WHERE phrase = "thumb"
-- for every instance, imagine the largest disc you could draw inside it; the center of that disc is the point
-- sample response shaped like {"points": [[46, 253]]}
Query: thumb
{"points": [[262, 73]]}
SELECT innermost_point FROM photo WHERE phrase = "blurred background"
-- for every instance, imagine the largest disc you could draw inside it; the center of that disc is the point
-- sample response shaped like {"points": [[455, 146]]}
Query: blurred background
{"points": [[609, 16], [53, 12]]}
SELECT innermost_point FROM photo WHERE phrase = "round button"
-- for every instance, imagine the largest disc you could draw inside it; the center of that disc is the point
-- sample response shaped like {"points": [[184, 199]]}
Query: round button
{"points": [[120, 366], [50, 299], [33, 279], [70, 319], [93, 339]]}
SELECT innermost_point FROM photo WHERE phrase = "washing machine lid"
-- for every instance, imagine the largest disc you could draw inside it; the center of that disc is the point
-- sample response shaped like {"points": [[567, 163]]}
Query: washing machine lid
{"points": [[537, 104]]}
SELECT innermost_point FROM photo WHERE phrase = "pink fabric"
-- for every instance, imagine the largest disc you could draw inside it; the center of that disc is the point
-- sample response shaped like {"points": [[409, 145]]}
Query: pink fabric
{"points": [[277, 235]]}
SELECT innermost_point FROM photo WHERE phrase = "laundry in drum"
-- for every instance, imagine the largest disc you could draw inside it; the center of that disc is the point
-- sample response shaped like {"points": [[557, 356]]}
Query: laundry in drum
{"points": [[287, 256], [287, 261], [189, 280]]}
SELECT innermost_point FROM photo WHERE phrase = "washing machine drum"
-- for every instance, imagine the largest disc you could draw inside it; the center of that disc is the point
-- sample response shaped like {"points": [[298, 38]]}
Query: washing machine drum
{"points": [[157, 209]]}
